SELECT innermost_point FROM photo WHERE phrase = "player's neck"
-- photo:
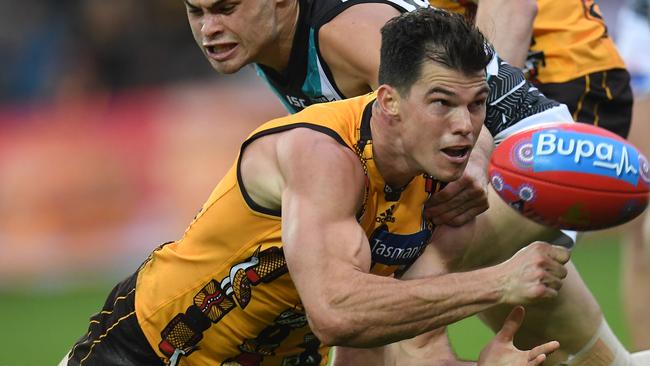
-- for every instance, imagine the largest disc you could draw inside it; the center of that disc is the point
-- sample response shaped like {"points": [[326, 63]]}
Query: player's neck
{"points": [[388, 154], [280, 51]]}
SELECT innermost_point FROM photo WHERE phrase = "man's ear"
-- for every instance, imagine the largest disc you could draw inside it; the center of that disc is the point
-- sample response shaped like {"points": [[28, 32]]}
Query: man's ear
{"points": [[389, 100]]}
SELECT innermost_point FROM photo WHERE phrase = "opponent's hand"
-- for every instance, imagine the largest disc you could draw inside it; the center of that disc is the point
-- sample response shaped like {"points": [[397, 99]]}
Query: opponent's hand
{"points": [[502, 352], [534, 273], [460, 201], [463, 199]]}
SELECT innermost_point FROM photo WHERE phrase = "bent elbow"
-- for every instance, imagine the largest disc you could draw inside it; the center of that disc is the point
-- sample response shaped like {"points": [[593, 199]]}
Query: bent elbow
{"points": [[332, 329]]}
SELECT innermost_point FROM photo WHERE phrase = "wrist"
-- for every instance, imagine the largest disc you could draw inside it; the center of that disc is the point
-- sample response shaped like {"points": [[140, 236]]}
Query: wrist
{"points": [[497, 284]]}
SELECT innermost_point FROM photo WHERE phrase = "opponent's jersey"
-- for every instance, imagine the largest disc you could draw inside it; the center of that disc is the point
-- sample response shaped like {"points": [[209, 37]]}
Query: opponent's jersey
{"points": [[571, 34], [222, 294], [308, 79], [464, 7]]}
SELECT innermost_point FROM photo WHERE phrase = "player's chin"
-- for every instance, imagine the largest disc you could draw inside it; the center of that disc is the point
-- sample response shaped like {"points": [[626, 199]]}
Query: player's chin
{"points": [[449, 173], [227, 67]]}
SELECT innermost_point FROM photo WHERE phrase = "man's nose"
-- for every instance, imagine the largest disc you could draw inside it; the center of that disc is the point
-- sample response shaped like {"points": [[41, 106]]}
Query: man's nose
{"points": [[462, 121], [212, 25]]}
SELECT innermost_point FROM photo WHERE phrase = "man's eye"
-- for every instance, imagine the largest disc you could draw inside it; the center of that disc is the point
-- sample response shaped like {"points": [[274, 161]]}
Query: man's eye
{"points": [[227, 9], [479, 103], [193, 10]]}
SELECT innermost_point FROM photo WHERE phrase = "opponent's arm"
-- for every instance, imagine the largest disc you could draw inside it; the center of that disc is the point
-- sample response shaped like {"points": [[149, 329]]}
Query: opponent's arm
{"points": [[508, 25], [328, 257], [350, 44], [514, 103]]}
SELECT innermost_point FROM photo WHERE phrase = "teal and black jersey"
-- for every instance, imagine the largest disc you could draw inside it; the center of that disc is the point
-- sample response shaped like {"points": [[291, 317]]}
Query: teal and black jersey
{"points": [[513, 102], [308, 79]]}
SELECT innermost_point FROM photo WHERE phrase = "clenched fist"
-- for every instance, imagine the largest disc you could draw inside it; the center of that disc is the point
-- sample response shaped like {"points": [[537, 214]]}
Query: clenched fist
{"points": [[533, 273]]}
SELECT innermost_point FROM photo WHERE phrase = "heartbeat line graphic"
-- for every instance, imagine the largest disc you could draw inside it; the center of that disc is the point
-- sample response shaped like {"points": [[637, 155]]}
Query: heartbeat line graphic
{"points": [[622, 165]]}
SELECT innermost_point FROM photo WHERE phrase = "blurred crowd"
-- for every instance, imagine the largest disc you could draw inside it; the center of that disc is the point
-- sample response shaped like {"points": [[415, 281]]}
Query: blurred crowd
{"points": [[113, 130], [53, 49], [69, 48]]}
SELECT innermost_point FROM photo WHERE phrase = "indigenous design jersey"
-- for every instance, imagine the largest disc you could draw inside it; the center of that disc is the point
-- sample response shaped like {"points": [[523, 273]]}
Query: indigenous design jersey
{"points": [[309, 80], [571, 34], [222, 294]]}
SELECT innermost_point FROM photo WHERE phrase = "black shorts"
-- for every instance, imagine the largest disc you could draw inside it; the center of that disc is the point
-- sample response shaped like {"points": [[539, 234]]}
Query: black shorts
{"points": [[114, 336], [602, 98]]}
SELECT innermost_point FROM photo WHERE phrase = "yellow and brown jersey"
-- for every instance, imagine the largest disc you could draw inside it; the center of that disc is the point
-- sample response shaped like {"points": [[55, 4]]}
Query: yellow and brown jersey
{"points": [[222, 294], [464, 7], [571, 34]]}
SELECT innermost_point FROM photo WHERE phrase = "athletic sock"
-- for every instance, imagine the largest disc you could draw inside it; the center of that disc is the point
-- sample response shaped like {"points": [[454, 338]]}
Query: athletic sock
{"points": [[604, 349]]}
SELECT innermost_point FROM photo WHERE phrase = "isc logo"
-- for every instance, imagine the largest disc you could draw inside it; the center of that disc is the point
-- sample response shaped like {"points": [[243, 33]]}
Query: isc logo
{"points": [[295, 101]]}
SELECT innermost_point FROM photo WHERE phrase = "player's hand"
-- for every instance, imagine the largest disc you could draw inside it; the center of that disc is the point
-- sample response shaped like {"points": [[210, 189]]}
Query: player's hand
{"points": [[463, 199], [502, 352], [534, 273]]}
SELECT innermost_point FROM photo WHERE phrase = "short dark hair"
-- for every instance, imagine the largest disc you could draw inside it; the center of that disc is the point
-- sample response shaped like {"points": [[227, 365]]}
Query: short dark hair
{"points": [[408, 40]]}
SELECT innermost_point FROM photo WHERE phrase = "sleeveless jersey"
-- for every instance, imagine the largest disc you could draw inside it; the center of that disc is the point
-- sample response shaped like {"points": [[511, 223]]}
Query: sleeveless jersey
{"points": [[571, 34], [308, 79], [222, 294]]}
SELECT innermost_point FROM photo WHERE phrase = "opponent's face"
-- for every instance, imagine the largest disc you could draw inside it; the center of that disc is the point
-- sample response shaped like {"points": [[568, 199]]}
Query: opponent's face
{"points": [[443, 115], [233, 33]]}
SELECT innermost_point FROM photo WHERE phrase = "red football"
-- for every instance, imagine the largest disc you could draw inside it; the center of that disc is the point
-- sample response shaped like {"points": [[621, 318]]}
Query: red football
{"points": [[571, 176]]}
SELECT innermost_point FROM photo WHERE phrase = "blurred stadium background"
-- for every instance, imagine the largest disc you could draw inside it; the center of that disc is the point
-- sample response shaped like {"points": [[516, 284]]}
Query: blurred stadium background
{"points": [[113, 130]]}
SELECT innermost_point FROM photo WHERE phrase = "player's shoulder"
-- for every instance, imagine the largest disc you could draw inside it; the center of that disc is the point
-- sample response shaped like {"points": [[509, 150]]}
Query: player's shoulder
{"points": [[297, 155], [337, 119], [322, 11]]}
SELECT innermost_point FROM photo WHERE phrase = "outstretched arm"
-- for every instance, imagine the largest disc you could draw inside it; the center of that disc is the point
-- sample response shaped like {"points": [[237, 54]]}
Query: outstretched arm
{"points": [[328, 256]]}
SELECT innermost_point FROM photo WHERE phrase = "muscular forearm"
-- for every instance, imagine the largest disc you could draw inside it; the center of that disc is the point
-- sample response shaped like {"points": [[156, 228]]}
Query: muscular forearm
{"points": [[371, 310]]}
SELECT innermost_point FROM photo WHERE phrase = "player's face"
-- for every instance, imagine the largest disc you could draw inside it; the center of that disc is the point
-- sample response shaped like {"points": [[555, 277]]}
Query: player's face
{"points": [[233, 33], [444, 113]]}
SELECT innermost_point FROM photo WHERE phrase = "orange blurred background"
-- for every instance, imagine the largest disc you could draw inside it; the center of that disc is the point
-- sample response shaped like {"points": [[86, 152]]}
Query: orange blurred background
{"points": [[94, 183]]}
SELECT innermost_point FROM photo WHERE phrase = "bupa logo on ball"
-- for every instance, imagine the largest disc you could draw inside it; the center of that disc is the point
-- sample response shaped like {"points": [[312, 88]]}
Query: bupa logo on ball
{"points": [[559, 150]]}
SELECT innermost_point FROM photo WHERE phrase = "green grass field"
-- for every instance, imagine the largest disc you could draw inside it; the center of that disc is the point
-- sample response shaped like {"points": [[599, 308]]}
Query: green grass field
{"points": [[38, 327]]}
